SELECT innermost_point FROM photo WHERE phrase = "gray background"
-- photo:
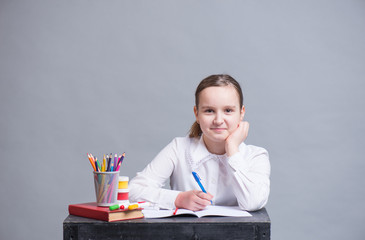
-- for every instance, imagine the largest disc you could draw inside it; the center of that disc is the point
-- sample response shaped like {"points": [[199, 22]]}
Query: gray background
{"points": [[115, 76]]}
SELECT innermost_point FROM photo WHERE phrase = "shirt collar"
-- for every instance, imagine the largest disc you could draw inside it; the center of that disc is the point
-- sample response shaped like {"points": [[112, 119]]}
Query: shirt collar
{"points": [[198, 154]]}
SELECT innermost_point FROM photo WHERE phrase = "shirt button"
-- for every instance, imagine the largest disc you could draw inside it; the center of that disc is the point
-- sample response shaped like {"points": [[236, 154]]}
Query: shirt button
{"points": [[214, 181]]}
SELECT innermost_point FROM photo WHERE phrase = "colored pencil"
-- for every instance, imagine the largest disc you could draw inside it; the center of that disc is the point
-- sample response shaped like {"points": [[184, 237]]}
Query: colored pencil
{"points": [[115, 160], [104, 163], [92, 162], [108, 166], [96, 165], [121, 158]]}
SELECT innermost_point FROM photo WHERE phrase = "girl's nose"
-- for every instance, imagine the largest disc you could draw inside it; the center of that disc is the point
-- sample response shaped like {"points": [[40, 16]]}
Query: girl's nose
{"points": [[218, 120]]}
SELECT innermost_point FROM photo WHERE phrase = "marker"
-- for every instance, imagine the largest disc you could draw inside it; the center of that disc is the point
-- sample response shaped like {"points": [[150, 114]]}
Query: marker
{"points": [[133, 206], [130, 206], [118, 206], [114, 207], [197, 179], [124, 206], [143, 204]]}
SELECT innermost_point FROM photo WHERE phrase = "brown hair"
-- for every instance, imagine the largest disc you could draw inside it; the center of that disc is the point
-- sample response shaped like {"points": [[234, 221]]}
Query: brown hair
{"points": [[218, 80]]}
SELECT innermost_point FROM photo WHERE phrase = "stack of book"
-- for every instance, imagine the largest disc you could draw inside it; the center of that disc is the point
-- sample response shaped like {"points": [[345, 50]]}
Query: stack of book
{"points": [[91, 210]]}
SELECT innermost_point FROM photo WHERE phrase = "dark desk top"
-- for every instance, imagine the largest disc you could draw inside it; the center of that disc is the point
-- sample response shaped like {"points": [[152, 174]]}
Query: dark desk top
{"points": [[179, 227], [260, 216]]}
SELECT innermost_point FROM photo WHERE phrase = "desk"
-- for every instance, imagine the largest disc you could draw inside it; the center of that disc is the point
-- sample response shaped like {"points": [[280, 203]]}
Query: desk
{"points": [[179, 227]]}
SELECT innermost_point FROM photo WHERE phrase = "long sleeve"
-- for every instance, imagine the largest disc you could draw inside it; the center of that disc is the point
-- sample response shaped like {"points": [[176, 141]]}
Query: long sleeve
{"points": [[148, 184], [241, 179], [250, 171]]}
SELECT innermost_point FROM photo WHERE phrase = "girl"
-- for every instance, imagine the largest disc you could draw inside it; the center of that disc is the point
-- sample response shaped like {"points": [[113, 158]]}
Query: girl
{"points": [[232, 172]]}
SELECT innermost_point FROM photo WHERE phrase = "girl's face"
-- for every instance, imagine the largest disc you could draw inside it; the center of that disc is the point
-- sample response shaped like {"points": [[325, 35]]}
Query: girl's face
{"points": [[218, 113]]}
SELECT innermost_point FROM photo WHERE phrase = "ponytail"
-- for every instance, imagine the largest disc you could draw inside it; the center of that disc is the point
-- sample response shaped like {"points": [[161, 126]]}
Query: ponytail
{"points": [[195, 130]]}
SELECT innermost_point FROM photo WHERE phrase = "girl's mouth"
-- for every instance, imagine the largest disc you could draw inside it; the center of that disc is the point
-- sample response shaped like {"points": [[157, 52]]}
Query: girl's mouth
{"points": [[218, 129]]}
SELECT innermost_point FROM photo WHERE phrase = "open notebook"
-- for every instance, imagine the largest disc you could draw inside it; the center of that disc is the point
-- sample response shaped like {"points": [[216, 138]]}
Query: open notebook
{"points": [[212, 210]]}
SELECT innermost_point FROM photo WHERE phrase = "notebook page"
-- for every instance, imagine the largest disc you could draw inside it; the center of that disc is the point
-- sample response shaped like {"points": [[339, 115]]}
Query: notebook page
{"points": [[229, 211]]}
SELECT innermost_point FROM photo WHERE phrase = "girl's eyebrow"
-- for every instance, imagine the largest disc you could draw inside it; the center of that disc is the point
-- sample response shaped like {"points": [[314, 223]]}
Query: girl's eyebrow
{"points": [[206, 107], [229, 106], [233, 106]]}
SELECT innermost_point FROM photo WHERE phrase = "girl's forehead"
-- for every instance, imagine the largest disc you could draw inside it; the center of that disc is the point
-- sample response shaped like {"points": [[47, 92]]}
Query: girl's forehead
{"points": [[224, 95]]}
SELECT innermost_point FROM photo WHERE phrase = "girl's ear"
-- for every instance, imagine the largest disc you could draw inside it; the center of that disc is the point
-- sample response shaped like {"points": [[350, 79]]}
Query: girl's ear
{"points": [[196, 113], [243, 110]]}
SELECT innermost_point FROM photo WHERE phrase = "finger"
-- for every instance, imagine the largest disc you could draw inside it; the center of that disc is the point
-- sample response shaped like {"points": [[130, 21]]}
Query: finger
{"points": [[210, 196], [245, 125], [201, 200], [196, 192], [206, 196], [244, 129], [199, 206]]}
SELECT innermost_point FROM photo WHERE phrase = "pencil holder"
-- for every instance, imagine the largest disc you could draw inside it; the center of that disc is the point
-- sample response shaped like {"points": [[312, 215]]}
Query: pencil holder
{"points": [[106, 188]]}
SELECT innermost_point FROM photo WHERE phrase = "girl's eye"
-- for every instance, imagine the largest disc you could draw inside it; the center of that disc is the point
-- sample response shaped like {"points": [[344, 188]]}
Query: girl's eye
{"points": [[229, 110], [209, 110]]}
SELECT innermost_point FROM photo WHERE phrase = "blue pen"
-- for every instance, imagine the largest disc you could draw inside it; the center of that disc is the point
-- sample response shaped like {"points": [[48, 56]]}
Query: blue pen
{"points": [[197, 179]]}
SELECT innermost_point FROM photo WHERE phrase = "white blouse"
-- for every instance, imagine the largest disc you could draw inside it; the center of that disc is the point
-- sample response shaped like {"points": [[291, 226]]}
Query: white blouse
{"points": [[242, 179]]}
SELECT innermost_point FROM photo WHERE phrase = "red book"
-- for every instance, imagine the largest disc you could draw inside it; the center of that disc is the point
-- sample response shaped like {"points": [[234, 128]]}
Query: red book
{"points": [[91, 210]]}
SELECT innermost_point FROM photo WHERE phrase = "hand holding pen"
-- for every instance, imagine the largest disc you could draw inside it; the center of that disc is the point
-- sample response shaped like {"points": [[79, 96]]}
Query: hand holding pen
{"points": [[194, 200]]}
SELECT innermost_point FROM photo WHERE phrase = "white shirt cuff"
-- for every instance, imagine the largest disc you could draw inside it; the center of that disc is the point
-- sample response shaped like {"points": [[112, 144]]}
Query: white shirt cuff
{"points": [[167, 198]]}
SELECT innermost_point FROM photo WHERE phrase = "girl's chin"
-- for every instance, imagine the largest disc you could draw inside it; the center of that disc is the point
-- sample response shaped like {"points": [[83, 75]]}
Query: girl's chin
{"points": [[219, 138]]}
